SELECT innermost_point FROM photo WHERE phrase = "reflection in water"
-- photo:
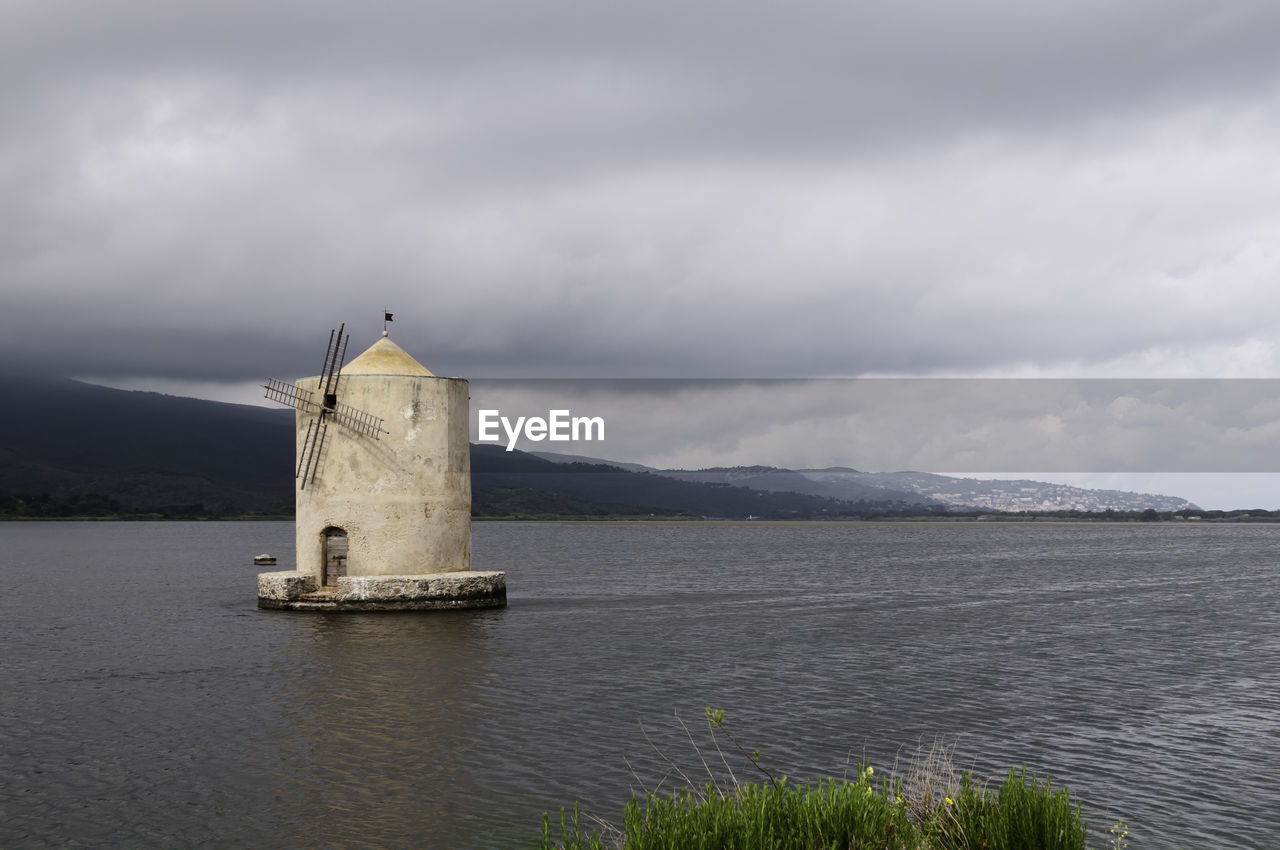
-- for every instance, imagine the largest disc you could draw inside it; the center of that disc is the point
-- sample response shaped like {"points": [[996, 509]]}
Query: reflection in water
{"points": [[384, 716]]}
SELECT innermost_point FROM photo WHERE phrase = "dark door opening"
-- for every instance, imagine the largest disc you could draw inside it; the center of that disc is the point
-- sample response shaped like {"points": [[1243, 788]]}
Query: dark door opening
{"points": [[335, 556]]}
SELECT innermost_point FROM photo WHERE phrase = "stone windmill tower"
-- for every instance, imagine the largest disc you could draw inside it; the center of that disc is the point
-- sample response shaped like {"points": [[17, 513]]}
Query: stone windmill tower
{"points": [[383, 519]]}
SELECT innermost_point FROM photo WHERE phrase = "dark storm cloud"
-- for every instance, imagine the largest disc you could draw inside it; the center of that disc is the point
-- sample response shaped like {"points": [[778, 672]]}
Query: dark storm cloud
{"points": [[692, 189]]}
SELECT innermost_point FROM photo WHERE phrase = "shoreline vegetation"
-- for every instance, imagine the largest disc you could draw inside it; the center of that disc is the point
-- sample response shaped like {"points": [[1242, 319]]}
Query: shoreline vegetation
{"points": [[42, 506], [925, 805]]}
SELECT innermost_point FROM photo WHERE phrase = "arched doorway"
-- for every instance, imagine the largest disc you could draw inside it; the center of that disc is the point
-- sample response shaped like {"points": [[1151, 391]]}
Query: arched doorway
{"points": [[334, 555]]}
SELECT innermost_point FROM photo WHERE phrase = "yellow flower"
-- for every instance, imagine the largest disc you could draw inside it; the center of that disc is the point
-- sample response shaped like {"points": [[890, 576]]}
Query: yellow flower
{"points": [[900, 800], [950, 802]]}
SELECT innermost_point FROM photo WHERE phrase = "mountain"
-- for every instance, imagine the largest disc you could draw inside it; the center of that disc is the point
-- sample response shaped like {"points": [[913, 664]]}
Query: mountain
{"points": [[493, 466], [768, 478], [556, 457], [920, 489], [147, 451], [778, 480]]}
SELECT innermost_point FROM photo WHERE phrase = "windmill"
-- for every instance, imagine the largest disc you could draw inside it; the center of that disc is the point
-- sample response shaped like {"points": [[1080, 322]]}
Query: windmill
{"points": [[328, 407], [386, 524]]}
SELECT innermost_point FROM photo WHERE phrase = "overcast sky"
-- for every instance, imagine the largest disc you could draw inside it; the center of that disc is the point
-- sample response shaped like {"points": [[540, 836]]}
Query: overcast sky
{"points": [[198, 192]]}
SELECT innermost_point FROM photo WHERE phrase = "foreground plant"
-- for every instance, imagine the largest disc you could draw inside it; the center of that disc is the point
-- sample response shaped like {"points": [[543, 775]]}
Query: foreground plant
{"points": [[1020, 813], [929, 807], [826, 814]]}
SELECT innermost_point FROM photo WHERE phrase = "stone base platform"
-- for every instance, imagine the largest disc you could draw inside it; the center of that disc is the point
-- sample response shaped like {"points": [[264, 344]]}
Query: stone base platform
{"points": [[294, 591]]}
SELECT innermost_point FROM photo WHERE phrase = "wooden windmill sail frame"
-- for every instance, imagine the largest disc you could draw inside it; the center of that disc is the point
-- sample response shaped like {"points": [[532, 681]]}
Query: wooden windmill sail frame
{"points": [[328, 407]]}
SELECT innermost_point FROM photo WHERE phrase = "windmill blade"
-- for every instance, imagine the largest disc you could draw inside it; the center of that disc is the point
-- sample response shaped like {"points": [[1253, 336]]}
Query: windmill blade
{"points": [[328, 355], [331, 395], [306, 446], [315, 444], [342, 358], [358, 421], [288, 394], [335, 356]]}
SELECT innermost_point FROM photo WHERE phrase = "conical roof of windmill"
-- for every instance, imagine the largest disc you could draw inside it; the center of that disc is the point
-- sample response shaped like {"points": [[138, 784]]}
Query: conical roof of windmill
{"points": [[384, 357]]}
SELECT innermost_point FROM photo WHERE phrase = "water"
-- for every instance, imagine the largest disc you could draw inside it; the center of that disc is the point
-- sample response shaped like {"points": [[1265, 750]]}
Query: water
{"points": [[146, 701]]}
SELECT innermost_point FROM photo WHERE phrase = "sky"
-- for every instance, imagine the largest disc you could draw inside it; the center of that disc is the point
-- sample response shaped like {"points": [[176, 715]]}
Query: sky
{"points": [[193, 194]]}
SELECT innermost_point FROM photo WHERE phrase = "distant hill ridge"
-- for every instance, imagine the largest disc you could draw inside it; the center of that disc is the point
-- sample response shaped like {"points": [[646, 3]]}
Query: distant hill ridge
{"points": [[493, 466], [147, 450], [918, 488], [64, 437]]}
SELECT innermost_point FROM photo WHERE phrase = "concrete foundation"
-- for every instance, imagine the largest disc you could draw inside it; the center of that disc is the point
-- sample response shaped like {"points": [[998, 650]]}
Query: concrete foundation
{"points": [[296, 591]]}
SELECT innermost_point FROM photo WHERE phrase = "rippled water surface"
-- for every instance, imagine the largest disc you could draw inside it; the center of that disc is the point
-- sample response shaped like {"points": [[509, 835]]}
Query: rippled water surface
{"points": [[146, 701]]}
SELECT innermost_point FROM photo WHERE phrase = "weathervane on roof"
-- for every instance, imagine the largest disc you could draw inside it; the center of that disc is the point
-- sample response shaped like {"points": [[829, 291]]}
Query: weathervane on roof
{"points": [[386, 317]]}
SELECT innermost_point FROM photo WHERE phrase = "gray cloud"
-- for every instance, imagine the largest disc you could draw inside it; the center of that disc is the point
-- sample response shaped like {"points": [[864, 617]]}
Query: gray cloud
{"points": [[693, 189], [974, 425]]}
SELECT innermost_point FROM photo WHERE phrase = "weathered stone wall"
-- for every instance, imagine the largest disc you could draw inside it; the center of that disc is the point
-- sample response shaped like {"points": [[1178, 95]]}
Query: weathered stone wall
{"points": [[385, 593], [404, 499], [284, 586], [458, 585]]}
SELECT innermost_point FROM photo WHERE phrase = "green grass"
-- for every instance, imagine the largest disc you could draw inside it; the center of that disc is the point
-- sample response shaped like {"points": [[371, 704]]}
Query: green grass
{"points": [[757, 816], [1018, 814], [838, 815], [926, 807]]}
